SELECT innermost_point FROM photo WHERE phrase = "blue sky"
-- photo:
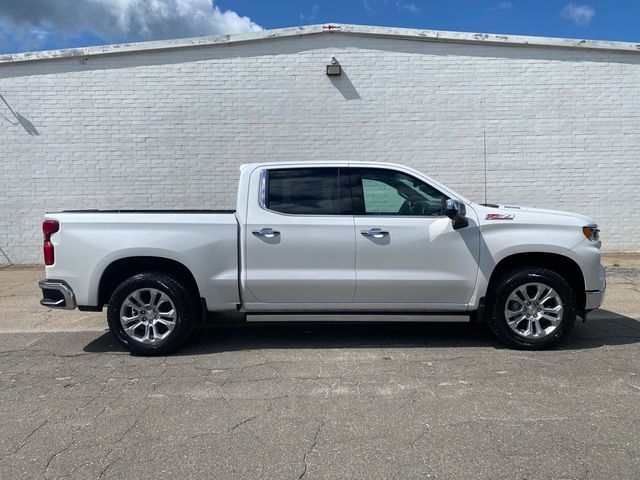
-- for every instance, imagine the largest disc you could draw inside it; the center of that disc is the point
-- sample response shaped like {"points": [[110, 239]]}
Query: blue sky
{"points": [[611, 20], [50, 24]]}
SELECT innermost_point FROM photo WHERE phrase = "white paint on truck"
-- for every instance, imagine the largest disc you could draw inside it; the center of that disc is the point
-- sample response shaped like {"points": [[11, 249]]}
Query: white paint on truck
{"points": [[264, 260]]}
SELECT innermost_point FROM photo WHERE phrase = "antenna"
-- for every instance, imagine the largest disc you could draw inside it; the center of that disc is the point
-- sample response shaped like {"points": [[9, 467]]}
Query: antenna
{"points": [[484, 141]]}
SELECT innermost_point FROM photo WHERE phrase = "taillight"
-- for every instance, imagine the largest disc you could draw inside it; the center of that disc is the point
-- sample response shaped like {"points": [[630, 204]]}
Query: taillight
{"points": [[49, 227]]}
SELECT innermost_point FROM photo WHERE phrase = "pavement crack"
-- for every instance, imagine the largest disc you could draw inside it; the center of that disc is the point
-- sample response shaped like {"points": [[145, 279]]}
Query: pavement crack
{"points": [[54, 456], [104, 470], [239, 424], [309, 450], [119, 442], [31, 434], [420, 435]]}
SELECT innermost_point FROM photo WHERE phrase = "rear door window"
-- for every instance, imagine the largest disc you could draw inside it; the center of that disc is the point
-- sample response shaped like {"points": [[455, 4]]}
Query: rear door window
{"points": [[305, 191]]}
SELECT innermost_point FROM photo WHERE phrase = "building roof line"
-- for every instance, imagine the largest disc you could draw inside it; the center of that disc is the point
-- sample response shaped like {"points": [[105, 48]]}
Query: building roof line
{"points": [[330, 28]]}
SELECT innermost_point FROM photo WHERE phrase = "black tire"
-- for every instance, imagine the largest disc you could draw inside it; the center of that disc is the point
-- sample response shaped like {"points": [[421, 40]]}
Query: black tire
{"points": [[184, 301], [510, 281]]}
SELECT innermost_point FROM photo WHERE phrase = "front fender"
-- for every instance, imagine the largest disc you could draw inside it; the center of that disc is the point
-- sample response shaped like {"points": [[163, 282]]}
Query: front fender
{"points": [[500, 241]]}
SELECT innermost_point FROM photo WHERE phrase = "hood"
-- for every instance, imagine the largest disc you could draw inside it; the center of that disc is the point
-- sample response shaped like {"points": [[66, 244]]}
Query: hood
{"points": [[515, 209]]}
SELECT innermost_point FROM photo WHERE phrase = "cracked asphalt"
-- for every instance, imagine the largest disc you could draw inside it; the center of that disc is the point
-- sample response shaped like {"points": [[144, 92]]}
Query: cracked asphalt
{"points": [[441, 401]]}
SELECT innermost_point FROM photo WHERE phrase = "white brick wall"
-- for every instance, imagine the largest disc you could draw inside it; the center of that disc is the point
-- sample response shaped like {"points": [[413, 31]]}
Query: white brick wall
{"points": [[168, 129]]}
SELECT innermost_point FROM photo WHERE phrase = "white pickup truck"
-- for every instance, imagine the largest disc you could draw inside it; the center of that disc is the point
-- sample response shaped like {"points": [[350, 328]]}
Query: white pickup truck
{"points": [[337, 241]]}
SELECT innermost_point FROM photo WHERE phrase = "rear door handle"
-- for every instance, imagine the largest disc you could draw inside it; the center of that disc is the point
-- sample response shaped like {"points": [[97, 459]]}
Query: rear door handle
{"points": [[375, 233], [266, 232]]}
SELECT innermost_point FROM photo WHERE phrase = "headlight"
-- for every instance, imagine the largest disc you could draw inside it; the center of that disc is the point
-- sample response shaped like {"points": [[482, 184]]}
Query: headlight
{"points": [[592, 233]]}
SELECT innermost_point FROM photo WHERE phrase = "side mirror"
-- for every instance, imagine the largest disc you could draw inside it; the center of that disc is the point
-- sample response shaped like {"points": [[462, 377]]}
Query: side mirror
{"points": [[454, 208], [456, 211]]}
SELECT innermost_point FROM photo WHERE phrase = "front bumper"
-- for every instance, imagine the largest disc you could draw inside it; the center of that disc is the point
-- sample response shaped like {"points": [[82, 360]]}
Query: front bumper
{"points": [[57, 294], [594, 298]]}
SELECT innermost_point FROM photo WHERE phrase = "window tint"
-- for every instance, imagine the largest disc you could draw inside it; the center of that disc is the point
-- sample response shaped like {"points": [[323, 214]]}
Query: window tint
{"points": [[304, 191], [380, 198], [387, 192]]}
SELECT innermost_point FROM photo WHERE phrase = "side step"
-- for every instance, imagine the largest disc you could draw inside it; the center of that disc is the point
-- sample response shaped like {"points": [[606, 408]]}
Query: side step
{"points": [[357, 317]]}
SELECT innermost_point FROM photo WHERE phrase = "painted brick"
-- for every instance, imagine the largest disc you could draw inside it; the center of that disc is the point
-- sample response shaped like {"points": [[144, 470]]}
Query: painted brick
{"points": [[168, 129]]}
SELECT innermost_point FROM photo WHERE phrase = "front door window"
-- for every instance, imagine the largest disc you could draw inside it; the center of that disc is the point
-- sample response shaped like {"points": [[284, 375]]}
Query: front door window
{"points": [[387, 192]]}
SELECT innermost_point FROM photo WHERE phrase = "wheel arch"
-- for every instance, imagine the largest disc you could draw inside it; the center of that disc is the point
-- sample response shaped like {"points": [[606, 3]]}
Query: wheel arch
{"points": [[558, 263], [121, 269]]}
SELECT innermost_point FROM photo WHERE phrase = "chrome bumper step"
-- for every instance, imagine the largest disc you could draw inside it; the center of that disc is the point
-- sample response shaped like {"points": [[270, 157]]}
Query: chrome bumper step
{"points": [[57, 294]]}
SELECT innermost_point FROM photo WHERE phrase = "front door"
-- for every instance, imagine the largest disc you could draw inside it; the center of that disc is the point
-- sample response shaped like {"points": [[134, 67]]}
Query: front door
{"points": [[407, 252], [300, 239]]}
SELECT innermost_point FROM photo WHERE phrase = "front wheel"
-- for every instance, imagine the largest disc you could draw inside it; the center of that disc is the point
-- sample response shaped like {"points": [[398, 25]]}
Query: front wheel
{"points": [[151, 313], [531, 308]]}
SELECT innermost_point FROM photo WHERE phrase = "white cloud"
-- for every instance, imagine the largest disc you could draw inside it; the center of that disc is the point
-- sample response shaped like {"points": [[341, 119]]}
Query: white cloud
{"points": [[503, 6], [310, 17], [30, 22], [374, 6], [581, 15], [408, 7]]}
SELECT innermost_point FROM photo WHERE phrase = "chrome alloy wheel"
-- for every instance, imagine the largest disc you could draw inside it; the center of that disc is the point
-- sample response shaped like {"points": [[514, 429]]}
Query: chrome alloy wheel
{"points": [[148, 315], [533, 310]]}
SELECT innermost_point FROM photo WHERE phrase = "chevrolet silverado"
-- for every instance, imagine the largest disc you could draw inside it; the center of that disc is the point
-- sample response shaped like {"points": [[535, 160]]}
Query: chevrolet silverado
{"points": [[334, 241]]}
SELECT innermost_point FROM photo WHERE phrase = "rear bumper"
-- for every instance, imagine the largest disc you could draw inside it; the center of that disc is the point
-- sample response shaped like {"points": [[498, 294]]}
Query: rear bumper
{"points": [[57, 294]]}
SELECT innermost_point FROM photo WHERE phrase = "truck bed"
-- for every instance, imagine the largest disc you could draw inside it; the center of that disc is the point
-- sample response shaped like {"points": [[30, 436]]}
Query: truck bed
{"points": [[205, 242]]}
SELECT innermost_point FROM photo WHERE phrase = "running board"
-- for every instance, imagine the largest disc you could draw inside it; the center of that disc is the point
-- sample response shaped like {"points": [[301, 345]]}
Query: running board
{"points": [[356, 317]]}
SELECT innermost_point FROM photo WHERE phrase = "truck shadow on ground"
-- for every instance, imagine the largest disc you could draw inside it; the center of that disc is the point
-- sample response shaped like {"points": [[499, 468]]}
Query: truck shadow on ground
{"points": [[603, 328]]}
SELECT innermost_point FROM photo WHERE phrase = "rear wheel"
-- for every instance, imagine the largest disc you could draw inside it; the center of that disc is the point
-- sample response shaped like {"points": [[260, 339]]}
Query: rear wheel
{"points": [[531, 308], [151, 313]]}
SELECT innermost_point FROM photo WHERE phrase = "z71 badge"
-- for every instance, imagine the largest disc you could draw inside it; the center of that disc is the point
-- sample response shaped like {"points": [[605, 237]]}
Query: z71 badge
{"points": [[499, 216]]}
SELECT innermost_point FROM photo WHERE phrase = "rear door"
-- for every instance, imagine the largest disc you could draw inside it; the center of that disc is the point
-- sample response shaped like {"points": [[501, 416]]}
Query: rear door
{"points": [[299, 237], [407, 252]]}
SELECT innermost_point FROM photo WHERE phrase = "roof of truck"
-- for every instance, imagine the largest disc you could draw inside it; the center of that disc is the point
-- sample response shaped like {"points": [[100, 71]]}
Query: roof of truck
{"points": [[315, 163]]}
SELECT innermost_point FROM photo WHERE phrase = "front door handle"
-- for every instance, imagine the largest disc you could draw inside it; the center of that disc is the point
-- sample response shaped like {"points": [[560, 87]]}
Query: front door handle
{"points": [[375, 233], [266, 232]]}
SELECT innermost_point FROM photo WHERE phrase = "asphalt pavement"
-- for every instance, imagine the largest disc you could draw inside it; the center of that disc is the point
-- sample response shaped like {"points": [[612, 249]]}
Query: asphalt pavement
{"points": [[440, 401]]}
